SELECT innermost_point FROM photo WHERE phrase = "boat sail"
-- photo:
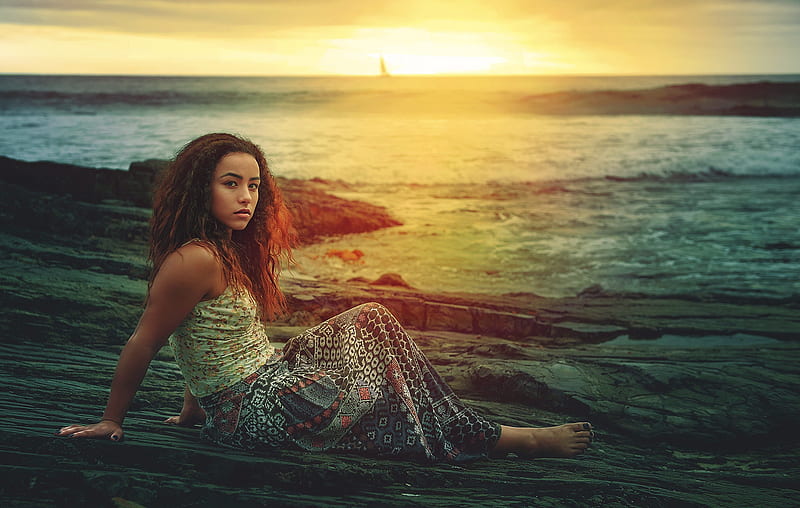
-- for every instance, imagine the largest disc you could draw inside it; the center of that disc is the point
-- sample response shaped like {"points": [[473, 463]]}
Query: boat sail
{"points": [[384, 71]]}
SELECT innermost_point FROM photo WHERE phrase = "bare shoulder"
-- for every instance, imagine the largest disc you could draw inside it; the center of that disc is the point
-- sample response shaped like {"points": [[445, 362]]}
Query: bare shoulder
{"points": [[187, 276], [195, 255], [194, 264]]}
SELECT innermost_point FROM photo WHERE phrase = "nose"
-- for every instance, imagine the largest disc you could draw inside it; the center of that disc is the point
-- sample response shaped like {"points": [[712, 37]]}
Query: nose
{"points": [[244, 196]]}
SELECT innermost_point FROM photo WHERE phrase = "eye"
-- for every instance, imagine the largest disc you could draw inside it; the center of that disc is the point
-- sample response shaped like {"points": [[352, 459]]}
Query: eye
{"points": [[253, 186], [229, 183]]}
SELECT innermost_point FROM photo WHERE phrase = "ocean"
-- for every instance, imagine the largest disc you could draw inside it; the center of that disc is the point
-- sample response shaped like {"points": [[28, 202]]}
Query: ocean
{"points": [[492, 200]]}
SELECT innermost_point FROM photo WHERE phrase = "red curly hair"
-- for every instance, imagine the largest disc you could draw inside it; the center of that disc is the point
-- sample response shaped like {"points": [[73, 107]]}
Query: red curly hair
{"points": [[251, 258]]}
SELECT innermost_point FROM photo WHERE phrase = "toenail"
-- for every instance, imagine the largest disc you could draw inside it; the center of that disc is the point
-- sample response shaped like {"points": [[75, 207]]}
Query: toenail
{"points": [[587, 426]]}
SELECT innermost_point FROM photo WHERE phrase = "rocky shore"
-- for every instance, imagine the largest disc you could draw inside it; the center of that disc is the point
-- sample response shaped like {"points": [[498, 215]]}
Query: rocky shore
{"points": [[746, 99], [695, 402], [127, 196]]}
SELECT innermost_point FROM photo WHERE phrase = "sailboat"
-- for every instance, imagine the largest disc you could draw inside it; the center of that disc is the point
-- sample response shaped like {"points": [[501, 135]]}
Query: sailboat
{"points": [[384, 72]]}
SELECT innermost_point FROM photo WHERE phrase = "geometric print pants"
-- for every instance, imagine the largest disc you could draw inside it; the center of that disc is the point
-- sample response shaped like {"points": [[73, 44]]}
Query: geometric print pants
{"points": [[354, 383]]}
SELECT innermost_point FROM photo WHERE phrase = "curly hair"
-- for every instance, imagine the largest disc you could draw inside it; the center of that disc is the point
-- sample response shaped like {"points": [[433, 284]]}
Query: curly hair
{"points": [[250, 258]]}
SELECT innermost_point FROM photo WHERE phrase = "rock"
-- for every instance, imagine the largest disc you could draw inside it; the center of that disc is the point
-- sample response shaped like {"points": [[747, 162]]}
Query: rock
{"points": [[508, 324], [409, 310], [589, 332], [349, 256], [513, 385], [780, 246], [457, 318], [358, 280], [120, 502], [593, 290], [315, 213], [148, 169], [84, 184], [390, 279], [717, 399]]}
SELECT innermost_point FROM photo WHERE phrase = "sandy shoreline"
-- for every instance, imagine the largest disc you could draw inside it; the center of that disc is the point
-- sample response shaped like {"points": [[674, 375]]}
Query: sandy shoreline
{"points": [[709, 425]]}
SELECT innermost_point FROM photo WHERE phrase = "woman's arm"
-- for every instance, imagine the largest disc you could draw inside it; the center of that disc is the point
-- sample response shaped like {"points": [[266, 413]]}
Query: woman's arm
{"points": [[187, 276]]}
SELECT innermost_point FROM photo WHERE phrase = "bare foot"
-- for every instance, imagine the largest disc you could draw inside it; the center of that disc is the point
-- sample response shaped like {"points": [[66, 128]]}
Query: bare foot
{"points": [[566, 441]]}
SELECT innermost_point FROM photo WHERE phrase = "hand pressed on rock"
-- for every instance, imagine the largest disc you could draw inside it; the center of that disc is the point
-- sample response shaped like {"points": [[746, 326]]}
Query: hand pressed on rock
{"points": [[191, 412], [105, 429], [186, 420]]}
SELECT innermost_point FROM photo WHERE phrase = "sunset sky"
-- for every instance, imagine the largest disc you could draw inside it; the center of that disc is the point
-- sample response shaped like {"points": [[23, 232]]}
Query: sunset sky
{"points": [[323, 37]]}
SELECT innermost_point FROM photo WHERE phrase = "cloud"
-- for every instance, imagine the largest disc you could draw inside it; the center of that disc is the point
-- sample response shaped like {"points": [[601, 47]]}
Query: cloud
{"points": [[631, 36], [579, 19], [210, 18]]}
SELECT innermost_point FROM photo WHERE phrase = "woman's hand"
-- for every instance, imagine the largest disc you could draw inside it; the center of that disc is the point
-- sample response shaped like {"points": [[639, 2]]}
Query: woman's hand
{"points": [[105, 429], [186, 420], [191, 412]]}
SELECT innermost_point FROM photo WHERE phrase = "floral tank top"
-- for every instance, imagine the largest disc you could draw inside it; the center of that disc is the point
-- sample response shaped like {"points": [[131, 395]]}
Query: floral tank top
{"points": [[220, 342]]}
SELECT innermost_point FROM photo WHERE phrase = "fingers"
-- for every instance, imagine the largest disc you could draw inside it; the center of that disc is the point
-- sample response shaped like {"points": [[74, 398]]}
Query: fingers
{"points": [[81, 433], [99, 430], [173, 420], [69, 430]]}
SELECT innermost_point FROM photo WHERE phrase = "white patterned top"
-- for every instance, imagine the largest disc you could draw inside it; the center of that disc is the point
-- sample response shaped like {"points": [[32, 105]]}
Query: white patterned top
{"points": [[220, 342]]}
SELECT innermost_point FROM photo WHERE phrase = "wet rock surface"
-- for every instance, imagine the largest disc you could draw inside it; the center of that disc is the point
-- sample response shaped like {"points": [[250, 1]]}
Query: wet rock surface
{"points": [[694, 402]]}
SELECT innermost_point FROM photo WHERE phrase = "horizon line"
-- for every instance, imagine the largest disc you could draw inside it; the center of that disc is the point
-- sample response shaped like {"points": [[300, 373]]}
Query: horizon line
{"points": [[399, 76]]}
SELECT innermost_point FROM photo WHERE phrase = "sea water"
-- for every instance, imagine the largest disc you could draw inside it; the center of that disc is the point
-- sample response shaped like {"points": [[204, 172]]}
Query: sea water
{"points": [[492, 200]]}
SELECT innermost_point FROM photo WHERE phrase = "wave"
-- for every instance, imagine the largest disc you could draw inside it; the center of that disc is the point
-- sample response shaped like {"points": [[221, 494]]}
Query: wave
{"points": [[496, 190], [557, 186], [710, 174], [734, 296], [589, 187], [763, 98], [153, 98]]}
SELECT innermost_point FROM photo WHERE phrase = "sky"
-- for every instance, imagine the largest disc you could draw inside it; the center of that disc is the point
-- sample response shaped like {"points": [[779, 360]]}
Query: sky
{"points": [[348, 37]]}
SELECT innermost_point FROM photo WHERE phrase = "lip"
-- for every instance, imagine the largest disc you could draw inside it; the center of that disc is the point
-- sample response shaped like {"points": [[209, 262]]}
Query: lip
{"points": [[244, 212]]}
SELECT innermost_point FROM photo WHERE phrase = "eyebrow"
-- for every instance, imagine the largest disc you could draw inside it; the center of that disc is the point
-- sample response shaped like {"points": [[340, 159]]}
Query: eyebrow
{"points": [[240, 177]]}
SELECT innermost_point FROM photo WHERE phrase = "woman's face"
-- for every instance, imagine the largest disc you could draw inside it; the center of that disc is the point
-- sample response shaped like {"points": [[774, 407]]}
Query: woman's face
{"points": [[234, 190]]}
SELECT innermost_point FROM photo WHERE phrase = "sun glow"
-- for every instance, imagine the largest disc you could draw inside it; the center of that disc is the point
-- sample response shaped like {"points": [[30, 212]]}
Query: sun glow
{"points": [[410, 51], [399, 64]]}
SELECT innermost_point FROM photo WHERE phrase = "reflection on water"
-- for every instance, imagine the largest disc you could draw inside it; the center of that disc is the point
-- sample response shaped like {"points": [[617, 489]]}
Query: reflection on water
{"points": [[729, 236]]}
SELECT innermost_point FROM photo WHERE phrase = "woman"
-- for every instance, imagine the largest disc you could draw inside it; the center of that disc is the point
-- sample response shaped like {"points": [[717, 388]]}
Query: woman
{"points": [[356, 382]]}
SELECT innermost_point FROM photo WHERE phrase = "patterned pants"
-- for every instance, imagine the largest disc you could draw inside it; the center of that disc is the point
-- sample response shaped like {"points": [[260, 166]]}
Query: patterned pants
{"points": [[356, 382]]}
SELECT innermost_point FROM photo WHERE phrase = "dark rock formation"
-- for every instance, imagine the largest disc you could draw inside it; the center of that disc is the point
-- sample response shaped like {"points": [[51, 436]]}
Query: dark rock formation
{"points": [[391, 279], [315, 212], [579, 319], [748, 99]]}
